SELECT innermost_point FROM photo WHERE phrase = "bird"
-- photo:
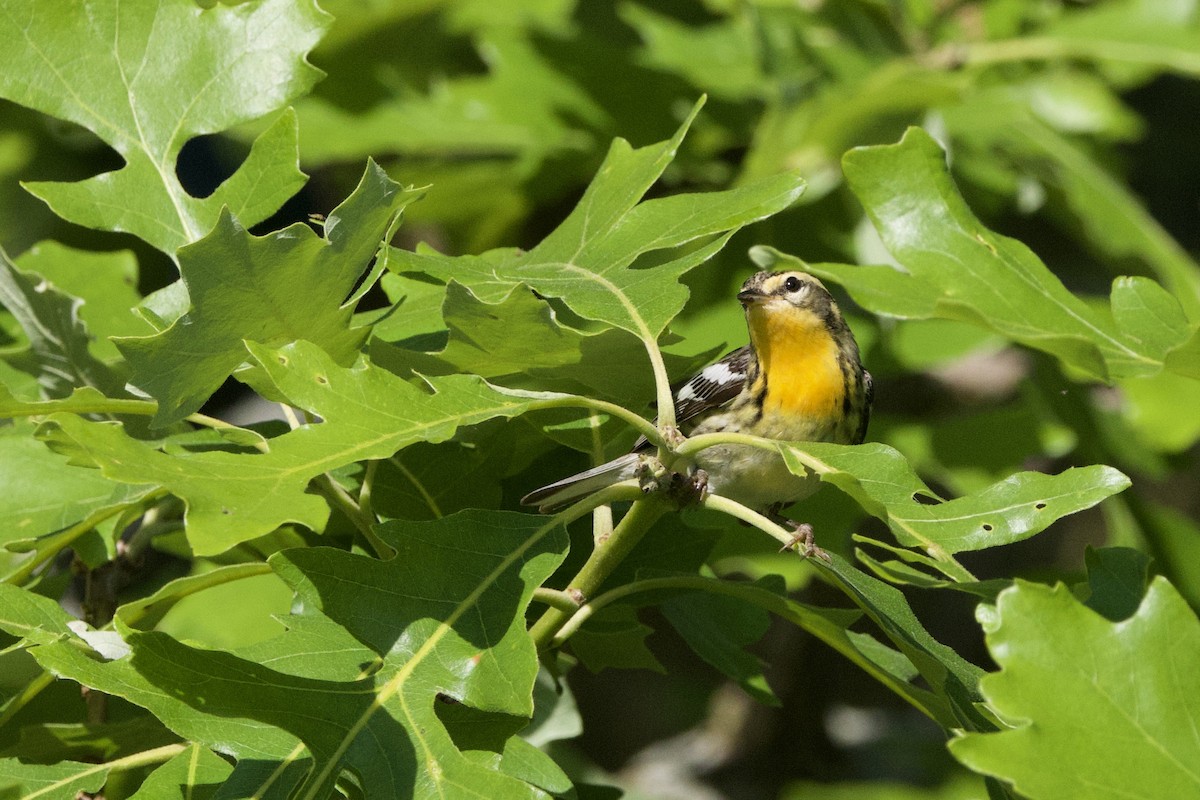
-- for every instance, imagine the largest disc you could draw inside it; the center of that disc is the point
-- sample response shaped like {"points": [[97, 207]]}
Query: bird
{"points": [[800, 379]]}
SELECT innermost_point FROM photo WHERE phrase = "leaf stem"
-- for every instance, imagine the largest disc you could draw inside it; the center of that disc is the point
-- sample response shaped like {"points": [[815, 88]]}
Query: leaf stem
{"points": [[734, 509], [101, 405], [63, 539], [602, 516], [662, 385], [556, 599], [953, 569], [341, 499], [636, 421], [365, 491], [26, 695], [607, 554], [1049, 48]]}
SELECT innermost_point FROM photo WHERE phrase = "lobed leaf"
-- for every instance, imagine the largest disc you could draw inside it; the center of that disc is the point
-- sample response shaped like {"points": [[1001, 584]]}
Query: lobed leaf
{"points": [[1008, 511], [591, 260], [520, 341], [67, 780], [193, 774], [367, 413], [43, 493], [273, 289], [1077, 688], [146, 83], [955, 268], [57, 353], [453, 604], [104, 283]]}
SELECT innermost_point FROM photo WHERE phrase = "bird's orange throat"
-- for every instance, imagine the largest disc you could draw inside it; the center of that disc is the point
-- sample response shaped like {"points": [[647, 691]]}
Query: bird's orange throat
{"points": [[799, 358]]}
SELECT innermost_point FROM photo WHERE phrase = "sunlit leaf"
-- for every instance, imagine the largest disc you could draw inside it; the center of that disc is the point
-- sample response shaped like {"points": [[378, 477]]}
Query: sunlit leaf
{"points": [[1131, 686], [958, 269], [367, 413], [288, 285], [454, 628], [146, 83], [590, 260], [1018, 507]]}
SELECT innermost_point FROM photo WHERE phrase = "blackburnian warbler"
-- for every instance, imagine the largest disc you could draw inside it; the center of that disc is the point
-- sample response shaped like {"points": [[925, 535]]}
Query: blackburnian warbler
{"points": [[799, 380]]}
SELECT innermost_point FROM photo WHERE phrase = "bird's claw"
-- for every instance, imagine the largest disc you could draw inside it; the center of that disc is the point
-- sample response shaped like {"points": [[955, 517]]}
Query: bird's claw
{"points": [[688, 490], [805, 536]]}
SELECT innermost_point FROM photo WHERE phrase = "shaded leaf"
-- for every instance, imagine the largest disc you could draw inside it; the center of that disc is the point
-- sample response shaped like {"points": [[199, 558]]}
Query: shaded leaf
{"points": [[454, 626], [193, 774], [58, 339], [718, 629], [614, 638], [43, 493], [106, 283], [1117, 580]]}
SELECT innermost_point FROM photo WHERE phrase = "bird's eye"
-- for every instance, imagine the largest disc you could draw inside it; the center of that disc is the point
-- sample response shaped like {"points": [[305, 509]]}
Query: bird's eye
{"points": [[792, 284]]}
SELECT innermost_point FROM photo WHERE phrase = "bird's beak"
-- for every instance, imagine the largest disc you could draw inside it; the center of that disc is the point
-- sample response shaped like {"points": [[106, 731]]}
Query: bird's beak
{"points": [[749, 297]]}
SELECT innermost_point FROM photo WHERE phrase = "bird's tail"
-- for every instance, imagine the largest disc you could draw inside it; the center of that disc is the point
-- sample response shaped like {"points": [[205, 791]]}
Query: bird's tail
{"points": [[562, 493]]}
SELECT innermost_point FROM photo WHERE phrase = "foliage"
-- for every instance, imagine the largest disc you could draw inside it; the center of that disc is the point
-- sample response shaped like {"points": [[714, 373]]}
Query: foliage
{"points": [[482, 278]]}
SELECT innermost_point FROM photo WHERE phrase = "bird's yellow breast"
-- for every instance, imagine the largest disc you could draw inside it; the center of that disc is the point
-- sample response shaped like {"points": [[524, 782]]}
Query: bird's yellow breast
{"points": [[799, 358]]}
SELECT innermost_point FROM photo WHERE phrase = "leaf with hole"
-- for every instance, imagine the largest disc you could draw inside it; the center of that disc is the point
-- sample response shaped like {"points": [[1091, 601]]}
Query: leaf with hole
{"points": [[146, 84]]}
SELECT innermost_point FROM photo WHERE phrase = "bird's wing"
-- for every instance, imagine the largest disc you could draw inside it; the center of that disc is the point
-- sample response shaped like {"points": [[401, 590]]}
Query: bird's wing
{"points": [[712, 387], [868, 398]]}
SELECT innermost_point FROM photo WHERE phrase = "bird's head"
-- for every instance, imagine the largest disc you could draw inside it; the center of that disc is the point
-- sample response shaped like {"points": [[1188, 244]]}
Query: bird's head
{"points": [[790, 291]]}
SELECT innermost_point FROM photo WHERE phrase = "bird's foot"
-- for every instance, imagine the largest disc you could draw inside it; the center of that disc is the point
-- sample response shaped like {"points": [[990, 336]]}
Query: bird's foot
{"points": [[804, 539], [682, 489], [688, 490]]}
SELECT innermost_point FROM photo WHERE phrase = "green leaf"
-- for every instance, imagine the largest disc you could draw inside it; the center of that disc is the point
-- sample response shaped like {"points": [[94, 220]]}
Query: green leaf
{"points": [[367, 413], [1117, 580], [29, 616], [43, 493], [966, 271], [949, 675], [591, 260], [53, 742], [58, 339], [939, 665], [1031, 131], [146, 83], [614, 638], [1162, 36], [1018, 507], [555, 714], [273, 289], [519, 112], [1077, 688], [452, 625], [65, 781], [105, 283], [193, 774], [718, 629], [721, 59], [1147, 315]]}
